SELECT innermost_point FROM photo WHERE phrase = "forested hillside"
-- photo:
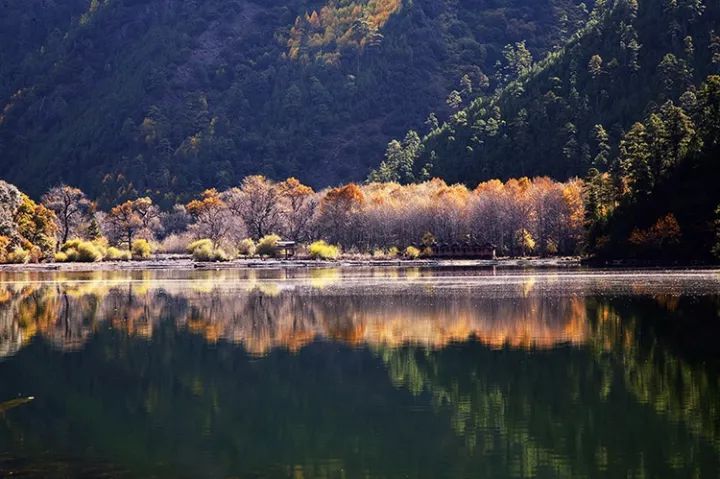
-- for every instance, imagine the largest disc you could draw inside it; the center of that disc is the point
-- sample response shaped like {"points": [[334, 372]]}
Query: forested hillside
{"points": [[630, 102], [25, 28], [154, 97], [660, 198], [567, 112]]}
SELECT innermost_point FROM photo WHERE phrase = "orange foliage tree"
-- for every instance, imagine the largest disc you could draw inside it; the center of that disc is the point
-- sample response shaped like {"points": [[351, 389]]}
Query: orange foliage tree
{"points": [[133, 218], [297, 203], [210, 215], [665, 232], [339, 25], [339, 214]]}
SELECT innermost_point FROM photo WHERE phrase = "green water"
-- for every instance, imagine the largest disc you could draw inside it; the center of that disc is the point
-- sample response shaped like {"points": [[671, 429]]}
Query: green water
{"points": [[360, 373]]}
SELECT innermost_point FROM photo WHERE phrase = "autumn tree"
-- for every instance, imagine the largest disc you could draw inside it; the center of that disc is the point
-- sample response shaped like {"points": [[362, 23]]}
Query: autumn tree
{"points": [[338, 213], [487, 219], [518, 211], [664, 233], [454, 100], [132, 218], [37, 226], [72, 209], [149, 214], [549, 214], [525, 241], [595, 66], [211, 216], [257, 202], [297, 204], [572, 222], [175, 221], [448, 212], [25, 224]]}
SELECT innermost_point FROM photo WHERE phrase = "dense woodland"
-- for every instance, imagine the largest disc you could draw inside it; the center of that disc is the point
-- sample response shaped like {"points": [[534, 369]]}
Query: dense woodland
{"points": [[384, 220], [568, 111], [165, 98], [658, 199]]}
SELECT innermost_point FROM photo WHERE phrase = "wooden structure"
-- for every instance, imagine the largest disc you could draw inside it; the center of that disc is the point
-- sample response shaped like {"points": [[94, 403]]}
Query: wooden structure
{"points": [[465, 250], [286, 249]]}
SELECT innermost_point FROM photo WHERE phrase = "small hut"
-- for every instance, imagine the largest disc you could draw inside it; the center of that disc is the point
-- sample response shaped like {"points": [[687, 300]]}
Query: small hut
{"points": [[286, 249]]}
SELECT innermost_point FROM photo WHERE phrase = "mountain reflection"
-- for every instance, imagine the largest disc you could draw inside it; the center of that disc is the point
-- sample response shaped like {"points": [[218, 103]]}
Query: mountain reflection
{"points": [[262, 314]]}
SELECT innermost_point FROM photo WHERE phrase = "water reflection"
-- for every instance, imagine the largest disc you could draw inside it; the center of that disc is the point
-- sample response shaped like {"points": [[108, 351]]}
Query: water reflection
{"points": [[265, 313], [376, 373]]}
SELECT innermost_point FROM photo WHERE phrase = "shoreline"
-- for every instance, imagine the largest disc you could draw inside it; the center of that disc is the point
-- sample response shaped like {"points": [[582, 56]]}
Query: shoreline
{"points": [[181, 263], [185, 263]]}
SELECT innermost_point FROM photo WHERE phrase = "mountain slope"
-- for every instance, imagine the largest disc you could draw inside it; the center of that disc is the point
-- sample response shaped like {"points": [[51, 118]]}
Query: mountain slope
{"points": [[564, 114], [25, 27], [167, 97]]}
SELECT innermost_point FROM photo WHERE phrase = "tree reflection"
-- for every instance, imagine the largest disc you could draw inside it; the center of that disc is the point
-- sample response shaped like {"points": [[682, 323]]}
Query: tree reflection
{"points": [[263, 315], [323, 374], [502, 402]]}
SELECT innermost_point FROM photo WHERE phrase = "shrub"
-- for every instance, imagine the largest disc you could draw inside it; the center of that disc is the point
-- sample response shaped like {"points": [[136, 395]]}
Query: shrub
{"points": [[18, 256], [203, 250], [70, 254], [246, 247], [393, 252], [141, 249], [71, 244], [412, 252], [201, 243], [322, 250], [267, 246], [551, 248], [88, 252], [61, 257], [206, 252], [80, 251], [101, 244], [115, 254]]}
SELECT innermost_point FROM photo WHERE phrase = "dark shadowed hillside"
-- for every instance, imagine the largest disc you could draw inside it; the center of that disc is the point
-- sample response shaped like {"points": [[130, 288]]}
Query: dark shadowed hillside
{"points": [[167, 97]]}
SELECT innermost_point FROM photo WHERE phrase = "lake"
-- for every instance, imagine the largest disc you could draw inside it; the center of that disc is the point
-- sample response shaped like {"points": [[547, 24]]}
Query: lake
{"points": [[360, 373]]}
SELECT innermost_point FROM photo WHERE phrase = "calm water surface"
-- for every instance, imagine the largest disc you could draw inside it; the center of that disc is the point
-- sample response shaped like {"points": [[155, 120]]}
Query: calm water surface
{"points": [[376, 373]]}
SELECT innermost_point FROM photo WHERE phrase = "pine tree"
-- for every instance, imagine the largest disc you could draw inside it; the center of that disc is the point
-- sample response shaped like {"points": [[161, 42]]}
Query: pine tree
{"points": [[635, 162], [602, 139]]}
